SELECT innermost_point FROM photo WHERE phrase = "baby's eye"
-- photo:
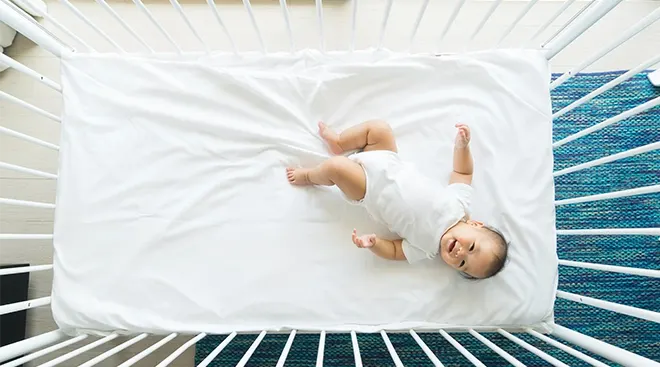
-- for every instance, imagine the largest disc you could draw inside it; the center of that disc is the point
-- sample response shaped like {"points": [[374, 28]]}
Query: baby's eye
{"points": [[461, 264], [472, 247]]}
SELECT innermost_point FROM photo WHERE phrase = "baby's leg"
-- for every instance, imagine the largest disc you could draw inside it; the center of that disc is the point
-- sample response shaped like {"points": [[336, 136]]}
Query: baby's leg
{"points": [[341, 171], [370, 135]]}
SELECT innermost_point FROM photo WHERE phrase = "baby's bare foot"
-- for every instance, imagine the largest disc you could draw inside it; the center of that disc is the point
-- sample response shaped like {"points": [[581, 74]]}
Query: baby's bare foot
{"points": [[331, 138], [298, 176]]}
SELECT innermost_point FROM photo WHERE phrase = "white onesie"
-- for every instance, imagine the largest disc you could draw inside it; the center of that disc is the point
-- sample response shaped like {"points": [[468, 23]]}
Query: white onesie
{"points": [[413, 206]]}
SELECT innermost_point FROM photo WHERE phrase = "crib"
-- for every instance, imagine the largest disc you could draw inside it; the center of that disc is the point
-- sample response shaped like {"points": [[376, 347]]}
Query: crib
{"points": [[563, 22]]}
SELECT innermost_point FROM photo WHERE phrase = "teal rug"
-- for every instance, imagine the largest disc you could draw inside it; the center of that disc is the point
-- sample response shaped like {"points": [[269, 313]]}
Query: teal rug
{"points": [[639, 336]]}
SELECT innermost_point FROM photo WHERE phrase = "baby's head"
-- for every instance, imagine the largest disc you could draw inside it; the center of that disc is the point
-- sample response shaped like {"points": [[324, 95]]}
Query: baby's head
{"points": [[475, 250]]}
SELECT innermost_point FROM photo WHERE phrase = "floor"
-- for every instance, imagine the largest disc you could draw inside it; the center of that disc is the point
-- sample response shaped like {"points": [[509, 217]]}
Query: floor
{"points": [[305, 26]]}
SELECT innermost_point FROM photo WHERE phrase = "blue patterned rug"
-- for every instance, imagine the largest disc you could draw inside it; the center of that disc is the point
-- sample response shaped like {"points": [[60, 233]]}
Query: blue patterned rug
{"points": [[636, 335]]}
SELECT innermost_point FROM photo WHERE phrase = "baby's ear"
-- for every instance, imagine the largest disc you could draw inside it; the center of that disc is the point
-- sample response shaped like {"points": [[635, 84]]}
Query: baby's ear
{"points": [[475, 223]]}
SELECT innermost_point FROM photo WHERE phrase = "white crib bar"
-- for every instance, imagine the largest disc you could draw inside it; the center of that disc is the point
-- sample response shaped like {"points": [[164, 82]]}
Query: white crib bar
{"points": [[287, 348], [551, 19], [470, 357], [166, 362], [217, 350], [148, 351], [153, 20], [628, 34], [222, 24], [356, 349], [609, 158], [86, 20], [113, 351], [383, 25], [179, 10], [28, 138], [502, 353], [26, 346], [319, 14], [4, 59], [606, 350], [390, 348], [24, 305], [612, 268], [353, 24], [30, 171], [80, 351], [25, 269], [622, 116], [513, 24], [607, 86], [287, 20], [127, 27], [321, 350], [21, 236], [610, 231], [483, 21], [611, 306], [250, 351], [418, 20], [567, 349], [436, 362], [450, 21], [31, 107], [253, 20], [17, 18], [43, 352], [31, 204], [595, 10], [541, 354], [611, 195]]}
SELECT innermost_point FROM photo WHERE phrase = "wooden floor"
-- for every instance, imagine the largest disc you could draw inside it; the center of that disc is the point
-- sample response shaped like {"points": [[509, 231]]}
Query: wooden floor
{"points": [[305, 26]]}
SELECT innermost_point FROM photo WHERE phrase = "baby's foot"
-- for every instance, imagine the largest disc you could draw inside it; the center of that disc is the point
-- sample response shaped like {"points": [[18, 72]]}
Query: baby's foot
{"points": [[298, 176], [331, 138]]}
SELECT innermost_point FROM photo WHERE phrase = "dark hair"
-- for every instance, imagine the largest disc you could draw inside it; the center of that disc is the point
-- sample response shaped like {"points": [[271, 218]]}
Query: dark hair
{"points": [[500, 256]]}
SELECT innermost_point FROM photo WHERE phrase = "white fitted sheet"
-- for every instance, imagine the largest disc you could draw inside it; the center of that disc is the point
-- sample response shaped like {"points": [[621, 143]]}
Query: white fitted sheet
{"points": [[174, 213]]}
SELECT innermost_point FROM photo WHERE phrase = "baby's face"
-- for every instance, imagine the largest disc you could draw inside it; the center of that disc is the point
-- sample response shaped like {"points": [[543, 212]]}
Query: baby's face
{"points": [[467, 248]]}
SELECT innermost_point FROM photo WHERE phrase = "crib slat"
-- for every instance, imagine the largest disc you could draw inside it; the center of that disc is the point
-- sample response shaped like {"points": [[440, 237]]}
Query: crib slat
{"points": [[483, 21], [320, 352], [390, 348], [508, 357], [612, 120], [79, 351], [250, 351], [383, 25], [611, 195], [285, 351], [113, 351], [24, 305], [319, 14], [436, 362], [44, 351], [450, 21], [609, 158], [611, 306], [217, 350], [609, 351], [628, 34], [356, 349], [353, 24], [25, 269], [179, 9], [546, 357], [222, 24], [253, 20], [30, 171], [612, 268], [31, 107], [4, 59], [133, 360], [418, 20], [21, 236], [22, 347], [32, 204], [180, 350], [610, 231], [513, 24], [153, 20], [287, 20], [96, 29], [549, 21], [470, 357], [28, 138], [125, 25], [567, 349]]}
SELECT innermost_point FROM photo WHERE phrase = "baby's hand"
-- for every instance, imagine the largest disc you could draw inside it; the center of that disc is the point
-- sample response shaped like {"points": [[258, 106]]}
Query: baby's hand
{"points": [[364, 241], [463, 136]]}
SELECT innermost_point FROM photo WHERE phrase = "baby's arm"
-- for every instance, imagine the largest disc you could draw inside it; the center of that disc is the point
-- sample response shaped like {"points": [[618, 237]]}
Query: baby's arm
{"points": [[386, 249], [463, 166]]}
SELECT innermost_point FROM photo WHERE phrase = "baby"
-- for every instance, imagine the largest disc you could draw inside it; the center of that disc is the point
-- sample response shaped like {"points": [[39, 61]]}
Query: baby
{"points": [[429, 218]]}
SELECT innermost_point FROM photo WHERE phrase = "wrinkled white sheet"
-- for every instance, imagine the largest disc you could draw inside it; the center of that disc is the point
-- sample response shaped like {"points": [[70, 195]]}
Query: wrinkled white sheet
{"points": [[174, 213]]}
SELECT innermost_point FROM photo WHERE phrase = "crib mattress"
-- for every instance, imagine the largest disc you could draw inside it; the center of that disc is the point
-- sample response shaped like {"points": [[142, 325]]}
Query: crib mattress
{"points": [[174, 212]]}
